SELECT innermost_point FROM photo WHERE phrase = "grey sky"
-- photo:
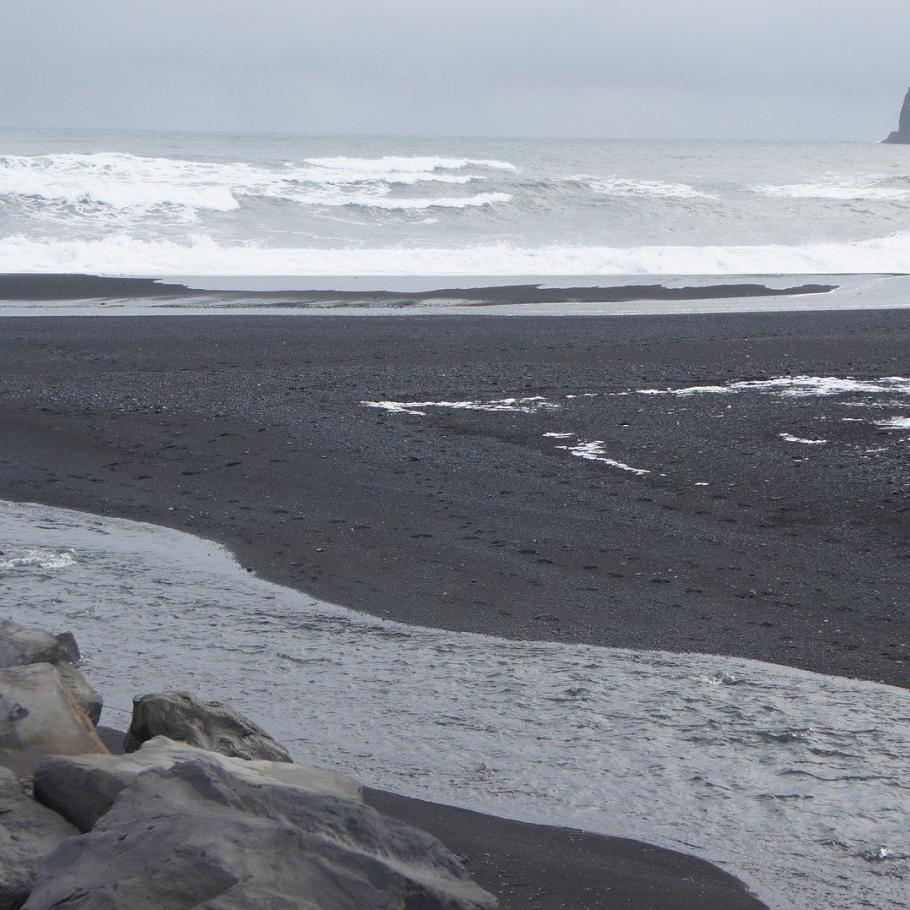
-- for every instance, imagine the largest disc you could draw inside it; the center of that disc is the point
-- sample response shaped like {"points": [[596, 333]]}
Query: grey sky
{"points": [[651, 68]]}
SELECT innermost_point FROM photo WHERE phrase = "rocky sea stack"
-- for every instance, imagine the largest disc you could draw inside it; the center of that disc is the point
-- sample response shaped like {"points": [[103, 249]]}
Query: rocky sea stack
{"points": [[901, 136]]}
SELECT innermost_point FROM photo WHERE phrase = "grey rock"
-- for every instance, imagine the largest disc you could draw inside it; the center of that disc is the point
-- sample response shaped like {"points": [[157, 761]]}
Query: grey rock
{"points": [[20, 645], [208, 725], [79, 690], [38, 718], [902, 135], [82, 788], [28, 833], [201, 835]]}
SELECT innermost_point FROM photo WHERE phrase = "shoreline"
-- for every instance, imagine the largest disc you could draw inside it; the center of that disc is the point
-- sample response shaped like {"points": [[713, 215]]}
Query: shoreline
{"points": [[36, 295], [374, 510], [551, 867]]}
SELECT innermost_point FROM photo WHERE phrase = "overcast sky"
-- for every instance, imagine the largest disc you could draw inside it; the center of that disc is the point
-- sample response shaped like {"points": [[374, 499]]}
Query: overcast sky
{"points": [[645, 68]]}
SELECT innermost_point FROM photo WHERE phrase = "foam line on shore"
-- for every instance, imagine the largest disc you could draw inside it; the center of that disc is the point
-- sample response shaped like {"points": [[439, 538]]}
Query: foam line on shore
{"points": [[122, 253]]}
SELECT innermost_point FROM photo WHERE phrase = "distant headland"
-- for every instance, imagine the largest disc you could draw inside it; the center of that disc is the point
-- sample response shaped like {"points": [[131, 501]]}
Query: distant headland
{"points": [[902, 134]]}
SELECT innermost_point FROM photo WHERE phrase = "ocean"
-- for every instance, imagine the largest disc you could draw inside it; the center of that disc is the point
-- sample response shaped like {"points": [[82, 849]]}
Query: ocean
{"points": [[172, 203]]}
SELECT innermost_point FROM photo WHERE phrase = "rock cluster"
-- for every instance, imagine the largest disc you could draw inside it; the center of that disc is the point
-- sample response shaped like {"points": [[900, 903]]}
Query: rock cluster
{"points": [[205, 809], [20, 646], [901, 136], [207, 724]]}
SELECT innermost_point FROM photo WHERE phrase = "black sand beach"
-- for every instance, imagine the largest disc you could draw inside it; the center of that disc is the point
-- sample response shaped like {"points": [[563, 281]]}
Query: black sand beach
{"points": [[251, 431], [546, 868]]}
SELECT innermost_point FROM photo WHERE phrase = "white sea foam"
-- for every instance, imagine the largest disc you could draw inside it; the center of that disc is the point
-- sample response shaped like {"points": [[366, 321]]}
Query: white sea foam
{"points": [[624, 186], [797, 387], [139, 185], [120, 181], [788, 437], [121, 253], [690, 390], [596, 451], [877, 188], [732, 753], [406, 164], [159, 204], [38, 559], [894, 423], [461, 202], [529, 405]]}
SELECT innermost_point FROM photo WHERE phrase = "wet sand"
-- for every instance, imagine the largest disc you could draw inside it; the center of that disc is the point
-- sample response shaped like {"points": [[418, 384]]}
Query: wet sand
{"points": [[28, 287], [548, 868], [545, 868]]}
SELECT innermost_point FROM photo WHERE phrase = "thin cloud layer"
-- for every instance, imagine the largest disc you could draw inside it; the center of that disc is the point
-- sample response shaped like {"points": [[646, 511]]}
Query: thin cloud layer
{"points": [[655, 68]]}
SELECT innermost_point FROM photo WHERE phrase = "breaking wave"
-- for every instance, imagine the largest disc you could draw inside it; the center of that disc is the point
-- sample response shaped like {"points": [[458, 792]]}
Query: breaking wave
{"points": [[39, 559], [125, 183], [203, 255], [620, 186], [202, 204], [878, 188]]}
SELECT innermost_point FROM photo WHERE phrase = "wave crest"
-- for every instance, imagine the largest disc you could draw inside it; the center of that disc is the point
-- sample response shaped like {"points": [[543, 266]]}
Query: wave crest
{"points": [[125, 184], [876, 188], [622, 186], [407, 164]]}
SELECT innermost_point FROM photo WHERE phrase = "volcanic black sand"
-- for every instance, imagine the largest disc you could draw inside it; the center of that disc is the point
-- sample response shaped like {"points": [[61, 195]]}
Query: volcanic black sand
{"points": [[546, 868], [530, 866], [250, 430], [28, 287]]}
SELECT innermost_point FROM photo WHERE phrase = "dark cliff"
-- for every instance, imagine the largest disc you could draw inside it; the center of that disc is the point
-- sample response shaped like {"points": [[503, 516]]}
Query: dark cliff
{"points": [[902, 135]]}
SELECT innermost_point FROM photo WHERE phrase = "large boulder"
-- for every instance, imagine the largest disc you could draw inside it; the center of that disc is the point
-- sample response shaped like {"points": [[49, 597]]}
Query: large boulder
{"points": [[81, 692], [902, 135], [82, 788], [209, 725], [200, 833], [20, 645], [38, 718], [28, 833]]}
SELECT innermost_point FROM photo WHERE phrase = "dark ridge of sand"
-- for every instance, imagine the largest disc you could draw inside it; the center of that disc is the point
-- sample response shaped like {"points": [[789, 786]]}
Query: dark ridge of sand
{"points": [[549, 868], [27, 286], [81, 287], [250, 430]]}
